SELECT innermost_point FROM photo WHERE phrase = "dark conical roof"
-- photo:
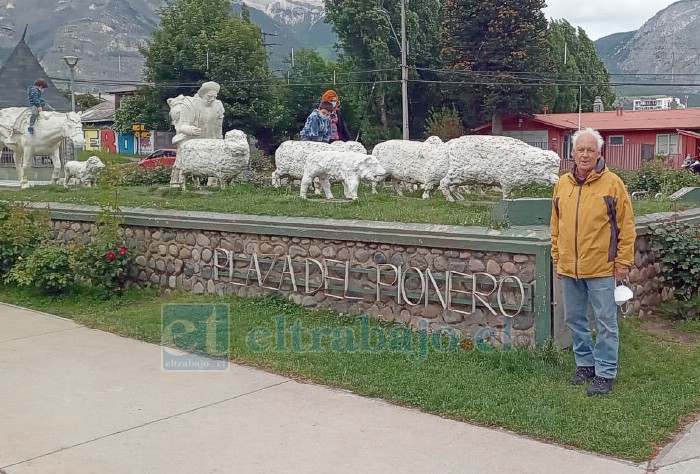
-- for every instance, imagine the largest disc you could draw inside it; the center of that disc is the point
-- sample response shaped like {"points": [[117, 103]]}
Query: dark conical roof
{"points": [[20, 71]]}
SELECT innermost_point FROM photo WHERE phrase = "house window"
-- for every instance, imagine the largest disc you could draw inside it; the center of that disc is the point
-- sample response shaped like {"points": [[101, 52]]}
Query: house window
{"points": [[667, 144], [616, 140]]}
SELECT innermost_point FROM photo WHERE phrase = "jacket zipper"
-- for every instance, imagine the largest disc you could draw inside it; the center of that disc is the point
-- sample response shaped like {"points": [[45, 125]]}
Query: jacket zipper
{"points": [[578, 205]]}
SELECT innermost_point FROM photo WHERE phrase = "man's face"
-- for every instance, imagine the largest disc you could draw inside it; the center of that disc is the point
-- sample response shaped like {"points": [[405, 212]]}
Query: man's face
{"points": [[324, 112], [210, 97], [586, 153]]}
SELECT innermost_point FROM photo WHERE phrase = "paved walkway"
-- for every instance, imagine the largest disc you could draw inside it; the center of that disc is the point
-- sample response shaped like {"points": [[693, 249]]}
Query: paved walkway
{"points": [[76, 400]]}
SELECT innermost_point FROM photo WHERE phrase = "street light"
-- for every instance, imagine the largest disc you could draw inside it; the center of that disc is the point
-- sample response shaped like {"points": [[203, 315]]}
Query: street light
{"points": [[72, 61], [403, 45]]}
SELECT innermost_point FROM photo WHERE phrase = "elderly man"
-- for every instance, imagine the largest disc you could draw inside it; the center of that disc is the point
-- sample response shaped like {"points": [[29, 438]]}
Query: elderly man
{"points": [[593, 236], [199, 116]]}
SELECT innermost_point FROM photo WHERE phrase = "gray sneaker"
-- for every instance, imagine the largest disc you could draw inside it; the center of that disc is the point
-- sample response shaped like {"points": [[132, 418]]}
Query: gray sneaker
{"points": [[600, 386], [584, 373]]}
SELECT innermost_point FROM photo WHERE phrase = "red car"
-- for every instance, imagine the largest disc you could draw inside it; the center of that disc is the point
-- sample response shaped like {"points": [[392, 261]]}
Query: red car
{"points": [[164, 157]]}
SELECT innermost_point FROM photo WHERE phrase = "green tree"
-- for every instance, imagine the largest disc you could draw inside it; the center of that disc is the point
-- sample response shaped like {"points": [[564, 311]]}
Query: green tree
{"points": [[306, 80], [499, 50], [369, 35], [202, 40], [576, 63], [143, 107], [82, 101]]}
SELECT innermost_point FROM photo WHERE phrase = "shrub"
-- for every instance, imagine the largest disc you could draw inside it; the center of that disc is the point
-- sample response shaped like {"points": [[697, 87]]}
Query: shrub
{"points": [[104, 261], [444, 123], [654, 177], [104, 264], [260, 162], [49, 268], [134, 175], [21, 231], [372, 135], [678, 246]]}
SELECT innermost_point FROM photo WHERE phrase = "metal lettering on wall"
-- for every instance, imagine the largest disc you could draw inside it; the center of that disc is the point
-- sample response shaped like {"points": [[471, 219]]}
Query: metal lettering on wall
{"points": [[454, 291]]}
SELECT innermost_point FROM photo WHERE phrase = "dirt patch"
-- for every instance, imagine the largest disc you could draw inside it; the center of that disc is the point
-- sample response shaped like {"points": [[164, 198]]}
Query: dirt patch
{"points": [[663, 329]]}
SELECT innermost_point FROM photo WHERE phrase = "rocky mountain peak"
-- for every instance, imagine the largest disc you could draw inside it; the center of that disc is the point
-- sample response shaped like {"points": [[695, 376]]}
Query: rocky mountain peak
{"points": [[666, 48]]}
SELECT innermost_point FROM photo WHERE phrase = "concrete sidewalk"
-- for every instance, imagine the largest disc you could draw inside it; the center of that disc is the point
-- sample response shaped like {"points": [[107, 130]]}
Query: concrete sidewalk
{"points": [[76, 400]]}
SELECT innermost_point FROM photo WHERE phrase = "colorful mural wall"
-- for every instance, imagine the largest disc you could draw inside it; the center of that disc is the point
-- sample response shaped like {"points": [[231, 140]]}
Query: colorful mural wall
{"points": [[134, 143]]}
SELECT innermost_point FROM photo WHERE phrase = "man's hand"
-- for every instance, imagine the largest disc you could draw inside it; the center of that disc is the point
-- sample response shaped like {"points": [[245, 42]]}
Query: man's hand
{"points": [[39, 109], [621, 272]]}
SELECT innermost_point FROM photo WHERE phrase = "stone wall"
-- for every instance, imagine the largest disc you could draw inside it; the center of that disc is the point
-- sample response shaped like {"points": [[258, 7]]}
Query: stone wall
{"points": [[497, 279], [488, 288], [649, 292], [180, 260]]}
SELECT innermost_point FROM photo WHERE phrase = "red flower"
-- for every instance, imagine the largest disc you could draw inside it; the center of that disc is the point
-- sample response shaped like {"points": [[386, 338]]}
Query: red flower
{"points": [[122, 251], [110, 256]]}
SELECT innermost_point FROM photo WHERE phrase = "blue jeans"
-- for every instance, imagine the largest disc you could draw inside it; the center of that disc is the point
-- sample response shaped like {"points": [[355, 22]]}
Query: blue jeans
{"points": [[600, 292], [34, 115]]}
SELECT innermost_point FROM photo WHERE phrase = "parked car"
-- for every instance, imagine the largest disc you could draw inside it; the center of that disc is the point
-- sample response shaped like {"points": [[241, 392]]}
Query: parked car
{"points": [[162, 157]]}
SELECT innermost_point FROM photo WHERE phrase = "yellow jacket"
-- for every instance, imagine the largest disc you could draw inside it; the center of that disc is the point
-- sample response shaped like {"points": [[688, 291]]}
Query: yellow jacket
{"points": [[592, 225]]}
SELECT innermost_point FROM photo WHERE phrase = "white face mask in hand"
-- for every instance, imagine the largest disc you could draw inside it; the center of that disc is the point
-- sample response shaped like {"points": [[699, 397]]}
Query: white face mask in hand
{"points": [[623, 294]]}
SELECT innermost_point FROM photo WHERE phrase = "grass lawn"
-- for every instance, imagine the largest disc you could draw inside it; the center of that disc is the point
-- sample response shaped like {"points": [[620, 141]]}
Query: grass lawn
{"points": [[248, 199], [689, 325], [525, 391]]}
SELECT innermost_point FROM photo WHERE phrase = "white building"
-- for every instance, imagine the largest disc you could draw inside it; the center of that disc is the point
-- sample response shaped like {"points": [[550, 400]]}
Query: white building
{"points": [[659, 103]]}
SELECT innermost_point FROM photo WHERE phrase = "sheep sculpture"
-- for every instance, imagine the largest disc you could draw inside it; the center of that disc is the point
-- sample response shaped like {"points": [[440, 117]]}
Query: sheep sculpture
{"points": [[214, 158]]}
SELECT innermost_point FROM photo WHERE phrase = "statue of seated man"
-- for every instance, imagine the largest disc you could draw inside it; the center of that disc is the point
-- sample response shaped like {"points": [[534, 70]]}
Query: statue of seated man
{"points": [[198, 116]]}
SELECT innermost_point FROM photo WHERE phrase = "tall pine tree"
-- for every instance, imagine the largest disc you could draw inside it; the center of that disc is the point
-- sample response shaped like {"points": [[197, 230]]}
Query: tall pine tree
{"points": [[577, 64], [369, 35], [499, 49]]}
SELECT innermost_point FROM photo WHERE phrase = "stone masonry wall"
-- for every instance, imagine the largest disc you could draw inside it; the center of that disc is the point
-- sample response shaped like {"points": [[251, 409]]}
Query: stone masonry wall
{"points": [[176, 259], [184, 260], [649, 292]]}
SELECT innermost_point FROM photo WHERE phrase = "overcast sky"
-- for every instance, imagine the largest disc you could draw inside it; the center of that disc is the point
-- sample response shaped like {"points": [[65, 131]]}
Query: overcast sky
{"points": [[603, 17]]}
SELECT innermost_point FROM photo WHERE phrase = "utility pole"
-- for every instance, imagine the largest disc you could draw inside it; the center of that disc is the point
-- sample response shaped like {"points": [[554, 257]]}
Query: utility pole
{"points": [[404, 71]]}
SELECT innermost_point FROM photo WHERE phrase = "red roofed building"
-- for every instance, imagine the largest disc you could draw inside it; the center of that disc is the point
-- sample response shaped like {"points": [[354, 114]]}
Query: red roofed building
{"points": [[631, 136]]}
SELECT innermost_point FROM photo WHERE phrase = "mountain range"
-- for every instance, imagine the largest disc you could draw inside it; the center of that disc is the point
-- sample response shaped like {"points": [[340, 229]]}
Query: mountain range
{"points": [[106, 34], [659, 58]]}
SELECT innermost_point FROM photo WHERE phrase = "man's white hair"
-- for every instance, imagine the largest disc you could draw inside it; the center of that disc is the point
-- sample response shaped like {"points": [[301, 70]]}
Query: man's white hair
{"points": [[588, 131]]}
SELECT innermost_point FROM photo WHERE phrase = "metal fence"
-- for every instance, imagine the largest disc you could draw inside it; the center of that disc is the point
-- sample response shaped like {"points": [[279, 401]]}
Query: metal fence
{"points": [[66, 152]]}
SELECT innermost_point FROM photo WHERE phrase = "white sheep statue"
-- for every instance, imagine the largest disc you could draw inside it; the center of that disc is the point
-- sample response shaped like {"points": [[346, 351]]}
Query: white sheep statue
{"points": [[424, 163], [291, 157], [85, 172], [347, 166], [497, 161], [214, 158]]}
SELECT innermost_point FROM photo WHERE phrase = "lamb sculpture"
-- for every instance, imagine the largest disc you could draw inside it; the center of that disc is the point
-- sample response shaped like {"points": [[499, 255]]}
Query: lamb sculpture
{"points": [[291, 156], [346, 166], [208, 157], [497, 161], [85, 172]]}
